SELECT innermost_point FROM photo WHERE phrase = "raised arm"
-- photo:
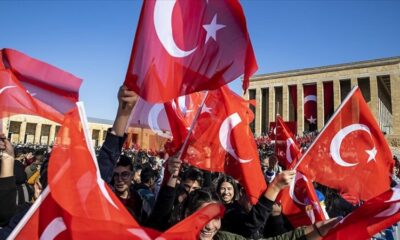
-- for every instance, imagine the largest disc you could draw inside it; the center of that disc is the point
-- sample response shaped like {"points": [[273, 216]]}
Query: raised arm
{"points": [[112, 146]]}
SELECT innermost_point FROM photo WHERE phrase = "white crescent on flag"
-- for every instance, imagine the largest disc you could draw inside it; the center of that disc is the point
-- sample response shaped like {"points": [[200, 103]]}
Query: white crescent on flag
{"points": [[163, 26]]}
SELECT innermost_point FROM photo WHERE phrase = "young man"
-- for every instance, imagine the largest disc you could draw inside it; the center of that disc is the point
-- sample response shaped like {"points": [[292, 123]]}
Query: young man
{"points": [[122, 184]]}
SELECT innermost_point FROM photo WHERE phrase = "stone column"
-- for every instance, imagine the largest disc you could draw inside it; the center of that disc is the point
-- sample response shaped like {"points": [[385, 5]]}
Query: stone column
{"points": [[300, 109], [101, 137], [258, 117], [373, 82], [354, 81], [395, 93], [271, 107], [320, 105], [336, 94], [38, 133], [22, 132], [285, 102], [52, 134]]}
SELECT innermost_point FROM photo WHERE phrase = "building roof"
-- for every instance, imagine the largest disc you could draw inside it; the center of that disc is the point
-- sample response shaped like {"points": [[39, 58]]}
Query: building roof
{"points": [[100, 120], [328, 68]]}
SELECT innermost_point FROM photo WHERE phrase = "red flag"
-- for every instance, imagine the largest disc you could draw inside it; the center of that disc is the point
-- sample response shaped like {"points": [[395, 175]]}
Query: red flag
{"points": [[153, 115], [81, 206], [350, 154], [222, 141], [372, 217], [300, 203], [286, 147], [187, 46], [30, 86], [190, 227], [44, 220], [310, 104], [76, 185], [291, 126]]}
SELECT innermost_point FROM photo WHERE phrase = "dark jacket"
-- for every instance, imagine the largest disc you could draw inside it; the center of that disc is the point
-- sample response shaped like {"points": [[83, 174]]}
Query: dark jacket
{"points": [[298, 233], [8, 193], [160, 217], [109, 155], [237, 220]]}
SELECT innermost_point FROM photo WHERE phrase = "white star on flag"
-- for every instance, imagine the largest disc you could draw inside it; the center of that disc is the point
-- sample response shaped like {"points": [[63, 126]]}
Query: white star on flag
{"points": [[311, 120], [212, 28], [372, 154], [205, 109]]}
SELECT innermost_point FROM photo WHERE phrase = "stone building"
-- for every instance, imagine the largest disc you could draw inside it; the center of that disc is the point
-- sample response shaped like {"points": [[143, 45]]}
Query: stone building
{"points": [[379, 81], [37, 130]]}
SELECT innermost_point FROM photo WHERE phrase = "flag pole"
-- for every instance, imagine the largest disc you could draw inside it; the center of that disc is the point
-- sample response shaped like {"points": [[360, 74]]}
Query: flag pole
{"points": [[29, 214], [192, 125], [276, 125]]}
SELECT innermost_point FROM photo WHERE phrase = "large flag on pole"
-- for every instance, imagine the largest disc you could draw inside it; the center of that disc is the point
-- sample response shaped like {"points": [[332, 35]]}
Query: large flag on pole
{"points": [[80, 205], [222, 141], [30, 86], [350, 154], [184, 46], [286, 148], [300, 203]]}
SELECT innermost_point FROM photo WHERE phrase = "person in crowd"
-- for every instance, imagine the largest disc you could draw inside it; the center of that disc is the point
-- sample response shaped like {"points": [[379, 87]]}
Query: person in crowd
{"points": [[270, 167], [249, 223], [122, 184], [213, 229], [24, 190], [10, 213], [171, 200], [137, 170], [34, 162], [8, 188], [144, 193]]}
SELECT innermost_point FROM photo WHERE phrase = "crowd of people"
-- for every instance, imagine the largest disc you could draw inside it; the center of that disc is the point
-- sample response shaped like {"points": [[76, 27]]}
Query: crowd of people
{"points": [[160, 190]]}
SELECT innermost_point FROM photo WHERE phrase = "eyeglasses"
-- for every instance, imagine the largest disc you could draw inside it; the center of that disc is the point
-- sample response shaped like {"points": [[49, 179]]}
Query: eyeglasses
{"points": [[125, 176]]}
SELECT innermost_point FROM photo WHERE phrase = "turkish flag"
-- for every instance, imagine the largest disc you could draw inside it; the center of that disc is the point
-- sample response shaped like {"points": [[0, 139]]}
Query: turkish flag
{"points": [[151, 116], [154, 116], [29, 86], [186, 46], [223, 142], [76, 185], [372, 217], [190, 227], [350, 154], [81, 206], [300, 203], [44, 220], [286, 148], [291, 126], [310, 103]]}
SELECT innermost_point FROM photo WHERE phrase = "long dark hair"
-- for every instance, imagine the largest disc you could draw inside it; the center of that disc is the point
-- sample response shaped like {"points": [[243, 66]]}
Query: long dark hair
{"points": [[198, 198], [232, 181]]}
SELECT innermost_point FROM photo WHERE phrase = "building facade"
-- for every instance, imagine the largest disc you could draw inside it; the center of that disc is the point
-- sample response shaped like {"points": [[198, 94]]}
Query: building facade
{"points": [[28, 129], [378, 80]]}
